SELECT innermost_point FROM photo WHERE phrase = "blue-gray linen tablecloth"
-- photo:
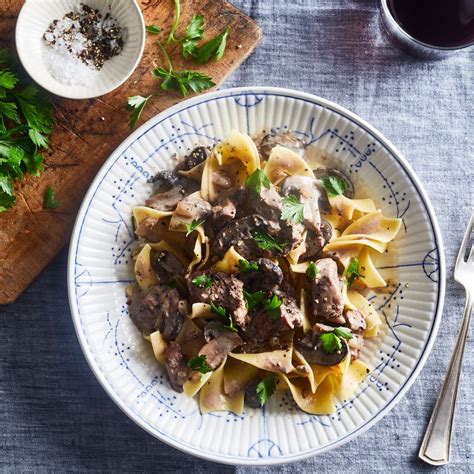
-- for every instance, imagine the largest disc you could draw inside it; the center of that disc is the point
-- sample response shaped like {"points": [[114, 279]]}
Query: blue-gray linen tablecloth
{"points": [[54, 416]]}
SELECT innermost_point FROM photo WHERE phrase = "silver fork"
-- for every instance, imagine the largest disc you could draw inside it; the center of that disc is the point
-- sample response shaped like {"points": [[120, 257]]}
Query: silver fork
{"points": [[436, 446]]}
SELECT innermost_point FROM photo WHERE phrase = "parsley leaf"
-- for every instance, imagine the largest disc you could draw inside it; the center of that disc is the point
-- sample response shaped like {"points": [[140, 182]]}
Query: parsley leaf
{"points": [[225, 316], [136, 104], [256, 180], [194, 33], [265, 389], [312, 271], [343, 332], [174, 26], [213, 48], [266, 241], [8, 80], [50, 201], [202, 281], [253, 299], [292, 210], [153, 29], [352, 272], [334, 185], [183, 81], [331, 341], [246, 267], [272, 307], [195, 223], [199, 363]]}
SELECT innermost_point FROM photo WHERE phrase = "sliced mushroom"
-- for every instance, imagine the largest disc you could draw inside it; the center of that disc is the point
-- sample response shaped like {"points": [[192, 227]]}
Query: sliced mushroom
{"points": [[312, 349], [189, 209], [168, 200], [167, 266], [250, 398], [216, 350], [324, 172], [287, 139]]}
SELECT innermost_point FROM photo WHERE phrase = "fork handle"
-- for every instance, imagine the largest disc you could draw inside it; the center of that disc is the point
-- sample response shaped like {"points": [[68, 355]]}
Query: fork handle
{"points": [[436, 446]]}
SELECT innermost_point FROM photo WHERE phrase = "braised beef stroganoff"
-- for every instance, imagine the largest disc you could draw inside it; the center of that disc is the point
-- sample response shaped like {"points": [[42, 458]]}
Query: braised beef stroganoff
{"points": [[253, 274]]}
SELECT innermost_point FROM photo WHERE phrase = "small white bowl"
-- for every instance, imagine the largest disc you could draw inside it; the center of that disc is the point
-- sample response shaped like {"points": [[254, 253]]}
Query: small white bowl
{"points": [[35, 18]]}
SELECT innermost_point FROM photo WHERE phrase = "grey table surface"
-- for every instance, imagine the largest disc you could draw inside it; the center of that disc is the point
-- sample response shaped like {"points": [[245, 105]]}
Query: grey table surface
{"points": [[54, 416]]}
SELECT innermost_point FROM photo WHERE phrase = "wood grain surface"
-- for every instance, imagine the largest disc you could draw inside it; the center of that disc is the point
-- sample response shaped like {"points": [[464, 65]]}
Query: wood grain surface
{"points": [[88, 131]]}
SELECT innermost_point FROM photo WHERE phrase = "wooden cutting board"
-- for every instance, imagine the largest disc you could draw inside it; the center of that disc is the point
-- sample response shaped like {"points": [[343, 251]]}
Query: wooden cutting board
{"points": [[88, 131]]}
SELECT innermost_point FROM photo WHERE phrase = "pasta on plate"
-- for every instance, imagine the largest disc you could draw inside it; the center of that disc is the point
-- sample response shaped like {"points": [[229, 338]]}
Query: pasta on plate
{"points": [[253, 273]]}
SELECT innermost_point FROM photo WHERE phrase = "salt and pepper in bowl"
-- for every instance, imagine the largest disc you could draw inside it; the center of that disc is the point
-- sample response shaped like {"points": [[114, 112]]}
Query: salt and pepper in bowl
{"points": [[80, 49]]}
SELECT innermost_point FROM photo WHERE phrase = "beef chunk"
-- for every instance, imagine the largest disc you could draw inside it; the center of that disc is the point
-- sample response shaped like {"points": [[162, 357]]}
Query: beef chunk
{"points": [[158, 309], [266, 278], [168, 200], [221, 343], [151, 229], [167, 266], [326, 303], [226, 209], [251, 398], [175, 366], [226, 291], [195, 158], [292, 234], [355, 320], [239, 234], [266, 204], [262, 328]]}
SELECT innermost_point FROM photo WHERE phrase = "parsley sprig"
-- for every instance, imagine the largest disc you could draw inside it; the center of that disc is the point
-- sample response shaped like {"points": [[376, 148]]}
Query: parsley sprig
{"points": [[332, 341], [292, 209], [312, 271], [352, 272], [253, 299], [225, 316], [273, 307], [257, 180], [266, 242], [214, 48], [183, 81], [26, 123], [334, 185], [246, 267], [200, 364], [194, 33], [265, 389], [136, 104], [190, 228], [202, 281]]}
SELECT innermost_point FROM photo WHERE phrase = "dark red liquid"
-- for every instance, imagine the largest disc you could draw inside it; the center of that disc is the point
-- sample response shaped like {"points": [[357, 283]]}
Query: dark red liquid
{"points": [[436, 22]]}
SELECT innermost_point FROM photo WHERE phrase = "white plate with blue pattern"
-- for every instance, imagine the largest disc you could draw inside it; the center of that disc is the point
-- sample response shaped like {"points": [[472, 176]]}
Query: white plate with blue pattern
{"points": [[100, 267]]}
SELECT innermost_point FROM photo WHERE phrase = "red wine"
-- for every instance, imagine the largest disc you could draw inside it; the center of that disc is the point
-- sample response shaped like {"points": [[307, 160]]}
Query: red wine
{"points": [[442, 23]]}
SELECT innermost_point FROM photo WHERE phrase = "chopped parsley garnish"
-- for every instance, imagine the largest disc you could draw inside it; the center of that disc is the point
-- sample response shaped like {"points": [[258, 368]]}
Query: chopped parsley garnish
{"points": [[331, 341], [50, 201], [266, 242], [153, 29], [194, 33], [203, 281], [136, 104], [253, 299], [265, 389], [292, 210], [213, 48], [194, 224], [312, 271], [225, 316], [352, 272], [272, 307], [334, 185], [246, 267], [257, 180], [200, 364]]}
